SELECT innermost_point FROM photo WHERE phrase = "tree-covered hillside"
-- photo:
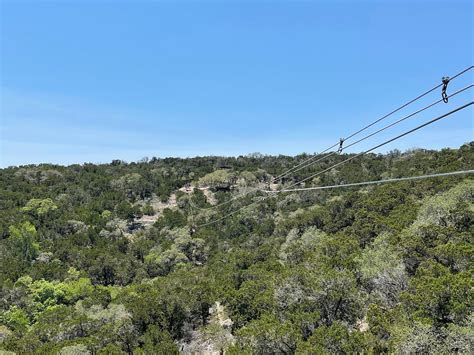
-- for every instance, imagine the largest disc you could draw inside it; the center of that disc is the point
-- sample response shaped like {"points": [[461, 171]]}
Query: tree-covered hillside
{"points": [[99, 259]]}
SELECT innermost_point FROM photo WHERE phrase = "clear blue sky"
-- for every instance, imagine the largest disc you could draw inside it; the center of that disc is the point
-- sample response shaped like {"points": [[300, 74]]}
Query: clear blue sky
{"points": [[92, 81]]}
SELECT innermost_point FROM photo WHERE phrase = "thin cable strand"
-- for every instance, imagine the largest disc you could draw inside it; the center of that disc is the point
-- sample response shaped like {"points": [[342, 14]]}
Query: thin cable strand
{"points": [[386, 142], [300, 167], [386, 127], [371, 124], [375, 182], [345, 161]]}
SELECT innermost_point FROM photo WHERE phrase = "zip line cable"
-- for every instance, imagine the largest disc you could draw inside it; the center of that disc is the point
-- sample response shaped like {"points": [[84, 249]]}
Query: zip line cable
{"points": [[373, 123], [375, 182], [273, 193], [408, 103], [231, 213], [386, 127], [299, 166], [336, 152], [410, 115], [386, 142], [308, 162]]}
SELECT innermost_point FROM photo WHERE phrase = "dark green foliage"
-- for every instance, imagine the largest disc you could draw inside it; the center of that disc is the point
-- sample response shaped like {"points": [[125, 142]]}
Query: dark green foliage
{"points": [[370, 269]]}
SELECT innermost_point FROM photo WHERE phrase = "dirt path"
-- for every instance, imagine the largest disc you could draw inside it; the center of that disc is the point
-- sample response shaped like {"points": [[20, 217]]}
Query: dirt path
{"points": [[158, 207]]}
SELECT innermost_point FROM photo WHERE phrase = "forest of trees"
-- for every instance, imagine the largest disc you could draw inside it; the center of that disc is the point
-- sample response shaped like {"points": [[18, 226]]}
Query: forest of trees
{"points": [[383, 268]]}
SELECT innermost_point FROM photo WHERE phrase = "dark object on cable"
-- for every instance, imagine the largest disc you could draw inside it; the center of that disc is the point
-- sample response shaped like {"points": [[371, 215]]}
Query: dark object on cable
{"points": [[445, 80], [192, 229], [341, 142]]}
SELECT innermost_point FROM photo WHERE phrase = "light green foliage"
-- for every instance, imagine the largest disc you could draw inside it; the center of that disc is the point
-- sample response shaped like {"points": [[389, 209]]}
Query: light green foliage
{"points": [[218, 178], [16, 319], [183, 250], [106, 214], [443, 230], [440, 210], [383, 272], [246, 178], [23, 241], [73, 274], [292, 251], [76, 289], [46, 294], [40, 207], [162, 263], [193, 248]]}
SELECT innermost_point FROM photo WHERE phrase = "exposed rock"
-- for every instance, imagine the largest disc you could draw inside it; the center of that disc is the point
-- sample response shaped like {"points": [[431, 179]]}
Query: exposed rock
{"points": [[362, 325], [73, 226], [4, 333], [220, 316], [158, 206], [44, 257], [212, 339]]}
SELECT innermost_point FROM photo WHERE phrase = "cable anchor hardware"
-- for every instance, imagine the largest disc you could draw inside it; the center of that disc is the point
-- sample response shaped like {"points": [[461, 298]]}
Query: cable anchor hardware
{"points": [[445, 80], [341, 143]]}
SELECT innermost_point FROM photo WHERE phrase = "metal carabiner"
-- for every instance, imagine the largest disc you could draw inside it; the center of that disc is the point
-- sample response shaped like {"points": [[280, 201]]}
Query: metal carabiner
{"points": [[341, 142], [445, 81]]}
